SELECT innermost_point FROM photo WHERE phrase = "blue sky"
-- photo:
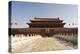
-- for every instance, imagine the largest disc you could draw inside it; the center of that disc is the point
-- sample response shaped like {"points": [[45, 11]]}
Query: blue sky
{"points": [[22, 12]]}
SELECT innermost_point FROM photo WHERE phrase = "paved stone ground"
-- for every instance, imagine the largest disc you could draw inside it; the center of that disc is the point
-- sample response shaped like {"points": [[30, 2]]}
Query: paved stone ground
{"points": [[37, 43]]}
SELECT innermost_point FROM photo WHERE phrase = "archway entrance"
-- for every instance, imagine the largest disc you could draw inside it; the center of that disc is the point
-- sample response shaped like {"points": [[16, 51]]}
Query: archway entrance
{"points": [[46, 32]]}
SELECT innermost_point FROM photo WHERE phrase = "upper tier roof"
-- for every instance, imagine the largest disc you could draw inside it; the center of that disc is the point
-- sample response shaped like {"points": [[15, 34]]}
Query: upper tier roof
{"points": [[46, 19]]}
